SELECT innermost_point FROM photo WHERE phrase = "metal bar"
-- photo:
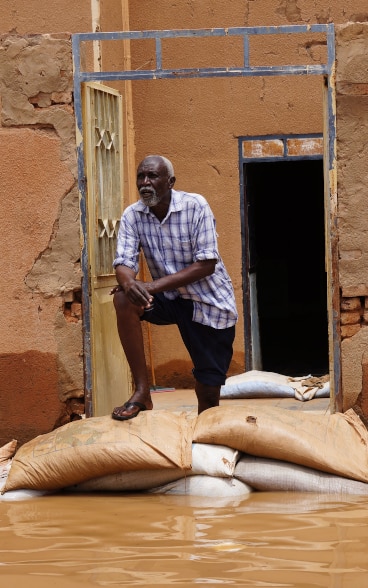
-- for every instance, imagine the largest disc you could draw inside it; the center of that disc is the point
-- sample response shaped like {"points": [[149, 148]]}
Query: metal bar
{"points": [[218, 32], [289, 70], [158, 54], [86, 328], [248, 355], [332, 220], [281, 158], [246, 51]]}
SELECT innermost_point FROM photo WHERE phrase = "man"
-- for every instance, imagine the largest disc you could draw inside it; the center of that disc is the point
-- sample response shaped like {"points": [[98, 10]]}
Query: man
{"points": [[190, 286]]}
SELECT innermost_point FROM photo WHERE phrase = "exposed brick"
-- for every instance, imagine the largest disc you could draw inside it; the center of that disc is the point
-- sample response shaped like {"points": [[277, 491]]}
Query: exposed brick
{"points": [[306, 146], [259, 148], [349, 330], [349, 89], [76, 309], [68, 296], [350, 318], [350, 303]]}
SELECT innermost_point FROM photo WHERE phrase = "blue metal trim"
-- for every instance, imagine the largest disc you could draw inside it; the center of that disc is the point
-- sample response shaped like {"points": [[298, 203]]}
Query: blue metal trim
{"points": [[158, 55], [280, 158], [335, 323], [83, 221], [218, 32], [247, 326], [221, 72]]}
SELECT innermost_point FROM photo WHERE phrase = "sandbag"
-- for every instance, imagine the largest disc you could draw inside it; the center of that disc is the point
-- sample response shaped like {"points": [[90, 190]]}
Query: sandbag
{"points": [[18, 495], [256, 389], [213, 460], [134, 481], [270, 475], [260, 384], [204, 486], [334, 443], [7, 451], [89, 448]]}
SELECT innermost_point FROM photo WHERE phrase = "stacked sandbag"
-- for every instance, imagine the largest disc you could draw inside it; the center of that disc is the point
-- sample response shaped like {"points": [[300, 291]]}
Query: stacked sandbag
{"points": [[207, 460], [212, 474], [90, 448], [271, 475], [205, 486], [7, 453], [225, 451], [334, 443], [260, 384]]}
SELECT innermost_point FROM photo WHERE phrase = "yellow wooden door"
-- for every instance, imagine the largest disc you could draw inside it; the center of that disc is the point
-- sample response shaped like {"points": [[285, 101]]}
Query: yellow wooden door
{"points": [[102, 123]]}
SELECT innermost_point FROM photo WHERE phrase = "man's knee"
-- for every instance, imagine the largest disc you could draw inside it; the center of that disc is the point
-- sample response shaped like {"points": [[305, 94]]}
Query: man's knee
{"points": [[123, 306], [119, 300]]}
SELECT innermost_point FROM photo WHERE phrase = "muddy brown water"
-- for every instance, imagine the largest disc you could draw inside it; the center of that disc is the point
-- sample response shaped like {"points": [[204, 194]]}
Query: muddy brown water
{"points": [[267, 539]]}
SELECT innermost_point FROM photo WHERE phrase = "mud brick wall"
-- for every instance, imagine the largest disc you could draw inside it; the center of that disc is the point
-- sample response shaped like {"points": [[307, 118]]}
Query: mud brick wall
{"points": [[41, 371], [352, 176]]}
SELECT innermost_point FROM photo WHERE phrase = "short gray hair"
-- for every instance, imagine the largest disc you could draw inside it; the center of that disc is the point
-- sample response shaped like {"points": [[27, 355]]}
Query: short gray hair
{"points": [[169, 166]]}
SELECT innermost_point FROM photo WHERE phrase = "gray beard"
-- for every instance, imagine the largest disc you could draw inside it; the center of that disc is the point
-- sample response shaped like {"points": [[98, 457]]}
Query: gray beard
{"points": [[150, 200]]}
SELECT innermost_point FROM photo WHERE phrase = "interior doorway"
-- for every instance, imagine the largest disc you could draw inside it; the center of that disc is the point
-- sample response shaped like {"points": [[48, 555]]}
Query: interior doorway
{"points": [[285, 228]]}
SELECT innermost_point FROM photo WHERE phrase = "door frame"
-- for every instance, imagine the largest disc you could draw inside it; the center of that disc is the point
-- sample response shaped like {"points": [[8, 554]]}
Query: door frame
{"points": [[325, 70], [265, 149]]}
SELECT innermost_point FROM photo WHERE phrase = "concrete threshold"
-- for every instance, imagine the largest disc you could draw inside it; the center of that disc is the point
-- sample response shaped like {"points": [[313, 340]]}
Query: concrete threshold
{"points": [[179, 400]]}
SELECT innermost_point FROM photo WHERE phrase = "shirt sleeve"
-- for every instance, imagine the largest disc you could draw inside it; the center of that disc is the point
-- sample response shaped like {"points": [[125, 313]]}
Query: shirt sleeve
{"points": [[204, 236], [128, 245]]}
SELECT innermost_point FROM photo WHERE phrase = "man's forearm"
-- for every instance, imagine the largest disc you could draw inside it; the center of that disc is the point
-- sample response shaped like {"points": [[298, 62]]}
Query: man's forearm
{"points": [[193, 273]]}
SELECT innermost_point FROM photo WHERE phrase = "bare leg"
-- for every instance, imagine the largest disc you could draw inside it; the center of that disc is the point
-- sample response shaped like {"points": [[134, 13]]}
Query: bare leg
{"points": [[208, 396], [131, 337]]}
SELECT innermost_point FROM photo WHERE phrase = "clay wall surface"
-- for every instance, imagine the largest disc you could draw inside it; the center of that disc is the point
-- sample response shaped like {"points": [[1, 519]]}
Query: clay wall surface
{"points": [[352, 174], [40, 354], [41, 346]]}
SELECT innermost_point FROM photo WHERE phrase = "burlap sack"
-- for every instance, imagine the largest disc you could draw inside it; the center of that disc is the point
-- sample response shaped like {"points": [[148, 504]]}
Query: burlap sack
{"points": [[135, 481], [99, 446], [211, 460], [334, 443], [270, 475], [7, 451]]}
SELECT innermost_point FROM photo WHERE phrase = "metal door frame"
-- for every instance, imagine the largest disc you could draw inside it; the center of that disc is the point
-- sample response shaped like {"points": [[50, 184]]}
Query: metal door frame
{"points": [[282, 154], [327, 70]]}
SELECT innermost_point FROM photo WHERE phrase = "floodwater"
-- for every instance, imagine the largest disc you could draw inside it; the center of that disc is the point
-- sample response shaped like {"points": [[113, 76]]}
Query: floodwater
{"points": [[266, 539]]}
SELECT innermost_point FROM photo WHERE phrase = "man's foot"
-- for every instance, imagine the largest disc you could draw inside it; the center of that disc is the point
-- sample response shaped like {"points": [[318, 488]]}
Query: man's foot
{"points": [[129, 410]]}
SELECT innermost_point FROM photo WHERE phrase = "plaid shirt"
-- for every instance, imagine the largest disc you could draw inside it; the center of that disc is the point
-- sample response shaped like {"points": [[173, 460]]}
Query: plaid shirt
{"points": [[186, 235]]}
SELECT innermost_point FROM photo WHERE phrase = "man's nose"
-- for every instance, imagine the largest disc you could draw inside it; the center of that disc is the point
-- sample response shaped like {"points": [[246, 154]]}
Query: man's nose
{"points": [[146, 180]]}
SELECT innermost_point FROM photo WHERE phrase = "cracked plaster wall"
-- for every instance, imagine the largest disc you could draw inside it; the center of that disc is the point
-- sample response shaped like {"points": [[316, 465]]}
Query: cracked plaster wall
{"points": [[352, 174], [41, 370]]}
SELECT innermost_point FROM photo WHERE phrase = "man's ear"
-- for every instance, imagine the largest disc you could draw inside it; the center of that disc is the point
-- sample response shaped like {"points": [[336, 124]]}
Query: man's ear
{"points": [[172, 181]]}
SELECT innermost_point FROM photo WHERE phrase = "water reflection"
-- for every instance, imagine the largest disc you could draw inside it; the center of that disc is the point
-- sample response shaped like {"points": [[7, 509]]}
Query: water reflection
{"points": [[268, 539]]}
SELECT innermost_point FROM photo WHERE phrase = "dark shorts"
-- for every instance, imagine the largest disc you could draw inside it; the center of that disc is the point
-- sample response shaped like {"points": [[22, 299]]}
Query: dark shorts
{"points": [[210, 349]]}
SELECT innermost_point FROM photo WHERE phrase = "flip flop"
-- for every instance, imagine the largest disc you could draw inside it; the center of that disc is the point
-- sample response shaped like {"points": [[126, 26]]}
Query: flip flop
{"points": [[127, 406]]}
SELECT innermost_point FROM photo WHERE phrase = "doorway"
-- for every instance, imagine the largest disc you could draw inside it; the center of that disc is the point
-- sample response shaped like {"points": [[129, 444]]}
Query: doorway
{"points": [[285, 229]]}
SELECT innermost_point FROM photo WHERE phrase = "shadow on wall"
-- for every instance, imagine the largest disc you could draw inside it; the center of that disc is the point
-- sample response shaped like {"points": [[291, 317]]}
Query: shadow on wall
{"points": [[29, 402]]}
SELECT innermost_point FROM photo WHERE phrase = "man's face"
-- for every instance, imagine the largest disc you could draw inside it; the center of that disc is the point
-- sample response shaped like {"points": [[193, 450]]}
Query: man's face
{"points": [[153, 181]]}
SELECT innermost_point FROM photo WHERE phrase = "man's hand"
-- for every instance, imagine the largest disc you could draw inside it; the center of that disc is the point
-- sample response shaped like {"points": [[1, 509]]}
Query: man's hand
{"points": [[116, 289], [136, 292]]}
